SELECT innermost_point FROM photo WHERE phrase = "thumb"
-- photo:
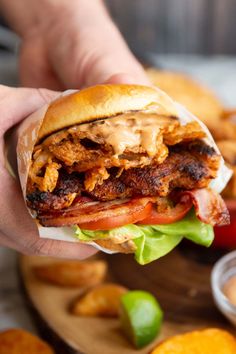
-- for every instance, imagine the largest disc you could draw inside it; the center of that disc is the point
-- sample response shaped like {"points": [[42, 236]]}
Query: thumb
{"points": [[17, 103], [98, 54], [115, 64]]}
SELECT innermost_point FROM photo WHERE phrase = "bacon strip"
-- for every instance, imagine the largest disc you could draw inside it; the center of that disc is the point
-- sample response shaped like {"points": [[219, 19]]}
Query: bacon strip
{"points": [[209, 206], [92, 211]]}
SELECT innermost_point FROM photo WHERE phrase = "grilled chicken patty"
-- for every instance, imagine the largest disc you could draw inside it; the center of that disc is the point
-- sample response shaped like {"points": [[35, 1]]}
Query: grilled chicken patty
{"points": [[82, 149], [188, 166], [89, 161]]}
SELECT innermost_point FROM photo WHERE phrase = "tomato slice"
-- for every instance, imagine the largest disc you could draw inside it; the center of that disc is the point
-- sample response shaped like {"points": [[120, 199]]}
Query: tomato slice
{"points": [[108, 215], [171, 215], [90, 212], [108, 223]]}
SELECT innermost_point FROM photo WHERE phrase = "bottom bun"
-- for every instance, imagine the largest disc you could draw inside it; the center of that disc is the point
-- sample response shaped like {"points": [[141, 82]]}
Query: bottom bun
{"points": [[109, 244], [68, 234]]}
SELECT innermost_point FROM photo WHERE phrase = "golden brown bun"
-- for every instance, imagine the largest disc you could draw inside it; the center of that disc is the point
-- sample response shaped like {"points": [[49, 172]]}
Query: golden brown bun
{"points": [[102, 101]]}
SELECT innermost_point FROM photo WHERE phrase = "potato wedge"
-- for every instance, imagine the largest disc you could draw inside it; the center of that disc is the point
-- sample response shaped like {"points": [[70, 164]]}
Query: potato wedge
{"points": [[72, 273], [18, 341], [230, 190], [228, 150], [102, 301], [207, 341], [223, 129], [229, 114]]}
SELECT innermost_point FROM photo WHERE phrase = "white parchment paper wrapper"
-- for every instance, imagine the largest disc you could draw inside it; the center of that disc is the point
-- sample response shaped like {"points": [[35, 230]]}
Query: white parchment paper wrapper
{"points": [[224, 173], [27, 137], [28, 133]]}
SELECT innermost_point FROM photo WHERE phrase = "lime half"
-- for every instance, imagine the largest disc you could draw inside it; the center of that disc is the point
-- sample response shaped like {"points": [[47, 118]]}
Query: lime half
{"points": [[141, 317]]}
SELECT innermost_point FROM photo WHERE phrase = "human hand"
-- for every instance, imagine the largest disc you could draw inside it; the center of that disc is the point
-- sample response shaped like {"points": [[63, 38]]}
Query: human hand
{"points": [[70, 44], [17, 229]]}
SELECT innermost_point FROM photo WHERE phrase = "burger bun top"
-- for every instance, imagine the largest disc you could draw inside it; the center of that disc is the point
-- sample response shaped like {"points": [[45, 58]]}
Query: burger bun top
{"points": [[103, 101]]}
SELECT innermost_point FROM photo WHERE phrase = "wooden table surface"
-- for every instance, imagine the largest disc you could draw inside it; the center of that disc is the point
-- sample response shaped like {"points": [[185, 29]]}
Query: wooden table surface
{"points": [[180, 281]]}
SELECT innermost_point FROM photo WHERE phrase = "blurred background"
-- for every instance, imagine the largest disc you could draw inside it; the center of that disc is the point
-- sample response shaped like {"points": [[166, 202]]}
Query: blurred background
{"points": [[196, 37], [192, 36], [177, 26]]}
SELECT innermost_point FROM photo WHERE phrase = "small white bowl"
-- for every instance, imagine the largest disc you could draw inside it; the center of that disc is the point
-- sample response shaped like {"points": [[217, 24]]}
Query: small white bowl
{"points": [[222, 271]]}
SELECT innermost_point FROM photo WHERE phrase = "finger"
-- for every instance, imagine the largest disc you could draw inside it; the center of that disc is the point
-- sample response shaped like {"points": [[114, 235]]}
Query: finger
{"points": [[6, 242], [51, 248], [20, 232], [18, 103], [59, 249], [107, 64], [34, 67], [96, 53], [114, 68]]}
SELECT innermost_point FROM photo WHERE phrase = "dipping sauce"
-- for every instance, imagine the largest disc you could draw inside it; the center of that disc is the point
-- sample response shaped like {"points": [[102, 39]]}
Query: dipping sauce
{"points": [[229, 289]]}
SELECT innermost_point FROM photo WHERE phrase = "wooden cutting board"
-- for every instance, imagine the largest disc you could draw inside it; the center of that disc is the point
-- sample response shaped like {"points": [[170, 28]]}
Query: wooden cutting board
{"points": [[180, 281]]}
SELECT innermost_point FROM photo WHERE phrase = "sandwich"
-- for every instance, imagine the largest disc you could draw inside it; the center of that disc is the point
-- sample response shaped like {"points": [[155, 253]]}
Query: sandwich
{"points": [[124, 168]]}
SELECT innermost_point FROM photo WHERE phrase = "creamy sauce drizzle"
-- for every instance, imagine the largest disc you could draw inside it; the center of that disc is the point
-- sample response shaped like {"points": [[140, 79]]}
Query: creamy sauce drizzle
{"points": [[130, 130]]}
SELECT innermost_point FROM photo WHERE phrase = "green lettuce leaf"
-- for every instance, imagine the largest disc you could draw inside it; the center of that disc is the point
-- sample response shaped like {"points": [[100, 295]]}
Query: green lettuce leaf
{"points": [[127, 230], [191, 228], [154, 244], [155, 241]]}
